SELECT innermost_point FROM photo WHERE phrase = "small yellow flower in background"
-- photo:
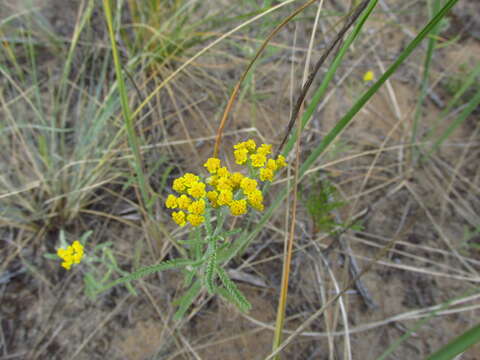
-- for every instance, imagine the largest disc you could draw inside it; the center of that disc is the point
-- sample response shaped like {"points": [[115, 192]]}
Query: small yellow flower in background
{"points": [[238, 207], [179, 218], [212, 165], [197, 207], [266, 174], [368, 76], [258, 159], [195, 219], [183, 202], [241, 156], [197, 190], [71, 255], [171, 202]]}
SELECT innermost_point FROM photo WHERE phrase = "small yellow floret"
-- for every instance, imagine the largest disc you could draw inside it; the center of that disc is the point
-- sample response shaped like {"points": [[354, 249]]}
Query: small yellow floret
{"points": [[171, 202], [255, 199], [179, 218], [189, 179], [266, 174], [212, 197], [183, 202], [197, 207], [224, 184], [248, 185], [212, 165], [258, 159], [281, 161], [179, 184], [223, 172], [225, 197], [250, 145], [236, 179], [238, 207], [271, 164], [241, 156], [264, 149], [195, 219], [368, 76], [197, 190]]}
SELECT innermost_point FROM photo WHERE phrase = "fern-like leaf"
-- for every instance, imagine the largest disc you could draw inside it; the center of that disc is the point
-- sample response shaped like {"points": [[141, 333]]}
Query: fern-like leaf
{"points": [[235, 294], [165, 265], [210, 267]]}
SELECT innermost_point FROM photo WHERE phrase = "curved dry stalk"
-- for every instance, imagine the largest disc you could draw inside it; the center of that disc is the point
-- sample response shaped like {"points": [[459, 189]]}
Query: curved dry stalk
{"points": [[236, 89]]}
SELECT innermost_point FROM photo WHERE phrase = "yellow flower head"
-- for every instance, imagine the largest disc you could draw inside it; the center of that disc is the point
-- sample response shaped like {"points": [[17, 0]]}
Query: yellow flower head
{"points": [[212, 180], [258, 159], [71, 255], [248, 185], [266, 174], [238, 207], [197, 207], [212, 197], [236, 178], [195, 219], [271, 164], [250, 145], [189, 179], [368, 76], [171, 202], [225, 197], [223, 172], [179, 184], [241, 156], [197, 190], [224, 184], [281, 161], [212, 165], [255, 199], [179, 218], [264, 149], [183, 202]]}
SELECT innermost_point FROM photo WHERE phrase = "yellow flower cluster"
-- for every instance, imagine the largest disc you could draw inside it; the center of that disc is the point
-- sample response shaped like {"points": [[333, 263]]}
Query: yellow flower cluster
{"points": [[233, 190], [188, 184], [71, 255], [258, 157]]}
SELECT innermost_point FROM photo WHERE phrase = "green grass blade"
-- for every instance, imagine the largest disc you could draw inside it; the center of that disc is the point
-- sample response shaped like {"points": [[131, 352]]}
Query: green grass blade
{"points": [[426, 72], [127, 115], [244, 241], [457, 345], [340, 126]]}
